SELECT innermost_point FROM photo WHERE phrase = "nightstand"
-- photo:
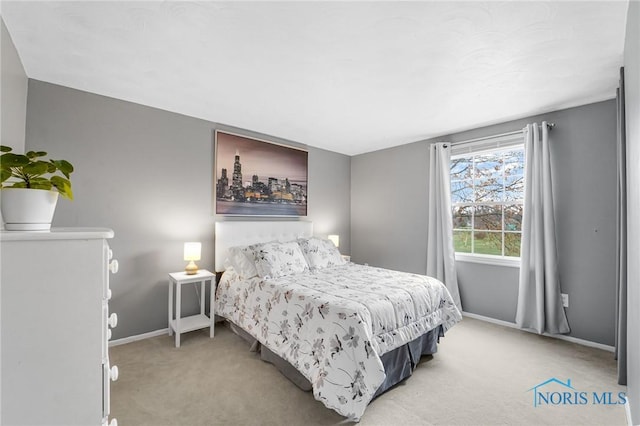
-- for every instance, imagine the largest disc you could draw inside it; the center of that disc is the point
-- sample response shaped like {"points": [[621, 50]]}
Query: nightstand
{"points": [[194, 322], [346, 257]]}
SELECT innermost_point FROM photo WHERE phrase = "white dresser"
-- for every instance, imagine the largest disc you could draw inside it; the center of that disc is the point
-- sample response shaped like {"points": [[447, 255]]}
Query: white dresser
{"points": [[54, 327]]}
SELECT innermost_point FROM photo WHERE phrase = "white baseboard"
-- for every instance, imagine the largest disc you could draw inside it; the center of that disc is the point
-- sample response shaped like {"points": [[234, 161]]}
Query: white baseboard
{"points": [[137, 337], [583, 342], [555, 336]]}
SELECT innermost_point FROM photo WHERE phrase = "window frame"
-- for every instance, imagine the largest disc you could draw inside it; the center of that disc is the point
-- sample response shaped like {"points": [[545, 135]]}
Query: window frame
{"points": [[490, 259]]}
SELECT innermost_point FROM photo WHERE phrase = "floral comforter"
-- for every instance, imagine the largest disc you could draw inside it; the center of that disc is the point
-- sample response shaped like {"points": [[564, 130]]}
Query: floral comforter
{"points": [[333, 324]]}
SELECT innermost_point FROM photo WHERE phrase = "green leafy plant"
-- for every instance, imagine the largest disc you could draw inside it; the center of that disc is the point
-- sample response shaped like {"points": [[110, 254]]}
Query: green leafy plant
{"points": [[30, 171]]}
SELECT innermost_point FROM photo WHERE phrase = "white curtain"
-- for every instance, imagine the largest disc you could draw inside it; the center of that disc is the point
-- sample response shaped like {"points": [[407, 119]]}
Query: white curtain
{"points": [[539, 301], [440, 253], [621, 249]]}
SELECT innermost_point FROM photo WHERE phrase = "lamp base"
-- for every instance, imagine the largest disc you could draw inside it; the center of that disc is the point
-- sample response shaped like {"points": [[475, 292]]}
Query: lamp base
{"points": [[191, 268]]}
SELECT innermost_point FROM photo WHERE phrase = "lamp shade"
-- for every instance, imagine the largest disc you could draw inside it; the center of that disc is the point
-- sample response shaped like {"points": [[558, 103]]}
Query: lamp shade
{"points": [[192, 251], [335, 239]]}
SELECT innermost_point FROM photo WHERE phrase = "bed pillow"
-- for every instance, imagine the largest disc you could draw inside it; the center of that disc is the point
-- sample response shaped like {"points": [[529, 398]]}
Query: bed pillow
{"points": [[240, 258], [320, 253], [277, 259]]}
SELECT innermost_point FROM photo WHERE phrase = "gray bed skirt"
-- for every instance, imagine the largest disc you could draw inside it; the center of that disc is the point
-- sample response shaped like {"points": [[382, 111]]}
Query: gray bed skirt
{"points": [[398, 363]]}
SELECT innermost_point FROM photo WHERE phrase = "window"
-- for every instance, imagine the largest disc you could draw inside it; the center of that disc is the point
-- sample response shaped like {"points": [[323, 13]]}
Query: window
{"points": [[487, 197]]}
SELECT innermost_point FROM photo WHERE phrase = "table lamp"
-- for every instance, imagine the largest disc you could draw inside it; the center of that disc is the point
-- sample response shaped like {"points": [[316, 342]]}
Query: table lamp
{"points": [[191, 253]]}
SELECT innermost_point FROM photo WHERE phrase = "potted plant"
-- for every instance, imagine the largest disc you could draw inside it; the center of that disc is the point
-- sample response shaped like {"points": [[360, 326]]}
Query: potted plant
{"points": [[29, 189]]}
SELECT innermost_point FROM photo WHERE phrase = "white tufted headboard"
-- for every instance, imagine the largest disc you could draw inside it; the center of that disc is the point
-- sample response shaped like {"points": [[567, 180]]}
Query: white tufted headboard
{"points": [[229, 234]]}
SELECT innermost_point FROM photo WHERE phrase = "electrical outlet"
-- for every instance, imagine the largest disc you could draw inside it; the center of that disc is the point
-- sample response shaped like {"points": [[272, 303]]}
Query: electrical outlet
{"points": [[565, 300]]}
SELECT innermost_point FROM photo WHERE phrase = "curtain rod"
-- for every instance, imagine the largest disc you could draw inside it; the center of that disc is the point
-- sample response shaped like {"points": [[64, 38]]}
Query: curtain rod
{"points": [[549, 125]]}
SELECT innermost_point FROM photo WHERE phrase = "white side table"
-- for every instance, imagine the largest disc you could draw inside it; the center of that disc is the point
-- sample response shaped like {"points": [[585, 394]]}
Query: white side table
{"points": [[193, 322]]}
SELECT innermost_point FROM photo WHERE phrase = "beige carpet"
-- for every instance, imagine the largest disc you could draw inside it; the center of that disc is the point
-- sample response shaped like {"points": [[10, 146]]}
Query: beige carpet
{"points": [[480, 375]]}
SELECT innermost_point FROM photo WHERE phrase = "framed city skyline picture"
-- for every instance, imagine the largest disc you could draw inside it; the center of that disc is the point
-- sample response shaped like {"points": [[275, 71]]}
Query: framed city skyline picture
{"points": [[259, 178]]}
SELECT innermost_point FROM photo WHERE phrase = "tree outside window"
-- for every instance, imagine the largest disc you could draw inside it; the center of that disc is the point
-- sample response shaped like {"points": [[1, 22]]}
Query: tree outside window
{"points": [[487, 195]]}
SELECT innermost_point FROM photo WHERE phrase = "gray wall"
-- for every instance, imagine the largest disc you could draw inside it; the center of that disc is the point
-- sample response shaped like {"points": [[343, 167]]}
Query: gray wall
{"points": [[632, 93], [147, 174], [389, 207], [389, 211], [13, 94]]}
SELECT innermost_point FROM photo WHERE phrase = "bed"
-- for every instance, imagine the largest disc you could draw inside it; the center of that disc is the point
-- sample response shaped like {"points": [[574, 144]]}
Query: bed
{"points": [[346, 331]]}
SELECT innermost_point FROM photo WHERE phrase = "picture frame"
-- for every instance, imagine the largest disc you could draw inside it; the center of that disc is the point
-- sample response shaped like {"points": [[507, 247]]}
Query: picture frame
{"points": [[254, 177]]}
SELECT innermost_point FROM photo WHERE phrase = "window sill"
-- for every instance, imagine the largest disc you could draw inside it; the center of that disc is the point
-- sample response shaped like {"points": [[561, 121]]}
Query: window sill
{"points": [[512, 262]]}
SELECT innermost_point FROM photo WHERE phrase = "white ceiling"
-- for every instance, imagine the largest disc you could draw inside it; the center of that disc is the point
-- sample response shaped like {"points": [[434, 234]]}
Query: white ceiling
{"points": [[350, 77]]}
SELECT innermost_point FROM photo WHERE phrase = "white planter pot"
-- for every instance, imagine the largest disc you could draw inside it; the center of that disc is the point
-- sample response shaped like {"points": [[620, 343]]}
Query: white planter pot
{"points": [[27, 209]]}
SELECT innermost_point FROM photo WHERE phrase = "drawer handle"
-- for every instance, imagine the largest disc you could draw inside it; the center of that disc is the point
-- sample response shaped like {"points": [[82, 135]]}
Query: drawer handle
{"points": [[113, 320], [114, 373], [113, 266]]}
